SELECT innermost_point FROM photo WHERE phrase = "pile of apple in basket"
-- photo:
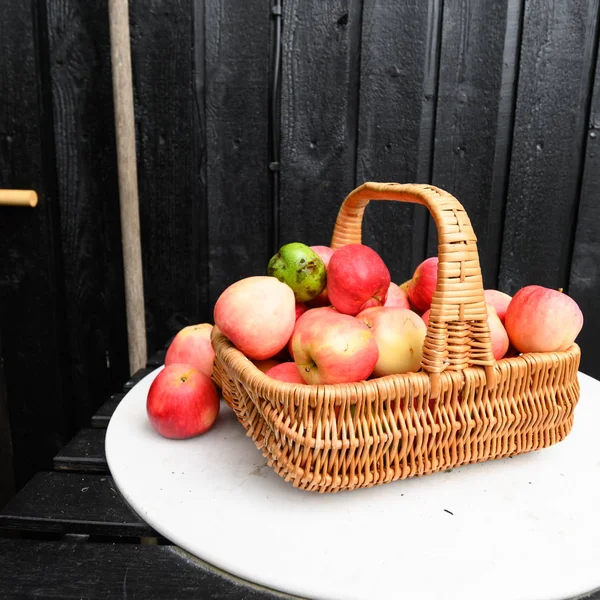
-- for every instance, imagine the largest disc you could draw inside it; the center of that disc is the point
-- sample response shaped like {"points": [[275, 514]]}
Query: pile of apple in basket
{"points": [[323, 317]]}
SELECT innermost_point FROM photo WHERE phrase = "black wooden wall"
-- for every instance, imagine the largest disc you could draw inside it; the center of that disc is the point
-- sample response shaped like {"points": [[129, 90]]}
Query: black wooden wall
{"points": [[498, 102]]}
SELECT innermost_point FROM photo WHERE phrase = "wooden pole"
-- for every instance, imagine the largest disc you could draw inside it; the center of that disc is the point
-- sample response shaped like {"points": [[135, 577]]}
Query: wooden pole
{"points": [[18, 198], [128, 191]]}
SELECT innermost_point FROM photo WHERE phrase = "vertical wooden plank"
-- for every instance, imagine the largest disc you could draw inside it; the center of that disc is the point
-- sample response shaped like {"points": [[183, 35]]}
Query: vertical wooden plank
{"points": [[7, 476], [398, 90], [31, 318], [80, 73], [319, 111], [584, 283], [557, 51], [479, 54], [172, 198], [237, 130]]}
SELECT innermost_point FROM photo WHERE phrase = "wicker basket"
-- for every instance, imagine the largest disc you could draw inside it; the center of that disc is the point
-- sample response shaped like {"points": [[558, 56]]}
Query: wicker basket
{"points": [[462, 407]]}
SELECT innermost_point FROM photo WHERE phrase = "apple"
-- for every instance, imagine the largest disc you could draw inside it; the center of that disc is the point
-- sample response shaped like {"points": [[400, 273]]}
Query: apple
{"points": [[357, 278], [499, 300], [399, 333], [182, 402], [287, 371], [301, 268], [301, 308], [191, 346], [498, 334], [422, 285], [540, 319], [330, 347], [309, 314], [325, 252], [265, 365], [425, 317], [257, 314], [396, 297]]}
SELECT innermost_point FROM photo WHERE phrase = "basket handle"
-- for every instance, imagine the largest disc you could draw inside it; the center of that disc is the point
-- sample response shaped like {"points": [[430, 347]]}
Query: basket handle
{"points": [[458, 334]]}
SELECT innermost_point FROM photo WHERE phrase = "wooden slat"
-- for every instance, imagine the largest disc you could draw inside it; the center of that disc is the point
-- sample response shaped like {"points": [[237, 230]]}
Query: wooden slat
{"points": [[557, 57], [319, 112], [584, 284], [72, 503], [398, 87], [7, 476], [103, 571], [236, 66], [85, 452], [137, 377], [105, 412], [31, 299], [478, 66], [86, 165], [170, 151]]}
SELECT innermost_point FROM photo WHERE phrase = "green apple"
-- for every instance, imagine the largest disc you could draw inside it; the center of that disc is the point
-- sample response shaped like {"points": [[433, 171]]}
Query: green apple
{"points": [[301, 269]]}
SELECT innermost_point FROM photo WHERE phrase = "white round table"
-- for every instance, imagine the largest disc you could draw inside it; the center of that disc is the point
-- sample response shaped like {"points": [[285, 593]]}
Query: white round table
{"points": [[527, 527]]}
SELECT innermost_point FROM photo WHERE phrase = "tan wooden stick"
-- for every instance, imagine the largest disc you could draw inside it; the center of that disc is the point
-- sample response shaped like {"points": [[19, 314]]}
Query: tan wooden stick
{"points": [[18, 198], [128, 189]]}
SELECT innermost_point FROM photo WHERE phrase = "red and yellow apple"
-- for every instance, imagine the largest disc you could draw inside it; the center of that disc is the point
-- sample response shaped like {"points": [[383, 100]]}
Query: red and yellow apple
{"points": [[287, 371], [182, 402], [357, 278], [499, 300], [399, 333], [191, 346], [498, 334], [309, 314], [540, 319], [421, 287], [266, 364], [257, 314], [330, 347], [396, 297]]}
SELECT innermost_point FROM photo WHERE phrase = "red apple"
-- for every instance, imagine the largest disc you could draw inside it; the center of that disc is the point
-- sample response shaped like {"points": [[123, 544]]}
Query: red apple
{"points": [[191, 346], [422, 285], [257, 314], [301, 308], [357, 278], [287, 371], [330, 347], [396, 297], [325, 253], [499, 300], [399, 333], [498, 334], [425, 317], [309, 314], [540, 319], [182, 402], [265, 365]]}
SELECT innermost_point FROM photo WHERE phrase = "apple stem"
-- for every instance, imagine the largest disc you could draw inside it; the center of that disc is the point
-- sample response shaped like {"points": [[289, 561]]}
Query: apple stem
{"points": [[560, 290]]}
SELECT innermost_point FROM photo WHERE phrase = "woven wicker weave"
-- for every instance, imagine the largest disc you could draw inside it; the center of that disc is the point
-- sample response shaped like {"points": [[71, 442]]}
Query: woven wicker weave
{"points": [[462, 407]]}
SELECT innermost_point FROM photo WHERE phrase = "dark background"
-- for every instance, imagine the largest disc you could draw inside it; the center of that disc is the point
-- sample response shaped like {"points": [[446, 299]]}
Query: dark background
{"points": [[497, 102]]}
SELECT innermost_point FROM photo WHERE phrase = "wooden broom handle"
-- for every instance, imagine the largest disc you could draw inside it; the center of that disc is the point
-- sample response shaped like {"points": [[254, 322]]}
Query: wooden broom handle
{"points": [[18, 198], [458, 334]]}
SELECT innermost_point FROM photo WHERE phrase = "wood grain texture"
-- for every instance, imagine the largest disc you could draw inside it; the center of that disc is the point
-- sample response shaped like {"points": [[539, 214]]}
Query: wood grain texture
{"points": [[88, 198], [398, 90], [85, 452], [557, 52], [319, 113], [584, 282], [7, 476], [32, 569], [72, 503], [238, 180], [169, 150], [474, 118], [31, 293]]}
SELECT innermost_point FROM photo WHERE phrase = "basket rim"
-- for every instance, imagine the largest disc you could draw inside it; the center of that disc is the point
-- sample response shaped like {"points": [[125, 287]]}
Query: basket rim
{"points": [[247, 371]]}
